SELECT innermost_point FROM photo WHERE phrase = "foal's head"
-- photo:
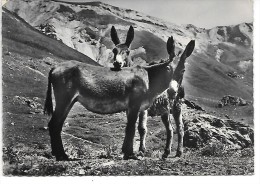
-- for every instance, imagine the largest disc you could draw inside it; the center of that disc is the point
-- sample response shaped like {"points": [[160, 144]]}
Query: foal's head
{"points": [[175, 89], [121, 50], [173, 75]]}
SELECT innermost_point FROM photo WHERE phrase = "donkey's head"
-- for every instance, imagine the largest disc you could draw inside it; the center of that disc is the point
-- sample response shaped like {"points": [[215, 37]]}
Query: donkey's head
{"points": [[121, 50], [175, 84]]}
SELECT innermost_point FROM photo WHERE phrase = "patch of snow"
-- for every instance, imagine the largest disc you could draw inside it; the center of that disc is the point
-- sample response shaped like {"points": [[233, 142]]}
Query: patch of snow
{"points": [[244, 65], [84, 48], [217, 38], [219, 53]]}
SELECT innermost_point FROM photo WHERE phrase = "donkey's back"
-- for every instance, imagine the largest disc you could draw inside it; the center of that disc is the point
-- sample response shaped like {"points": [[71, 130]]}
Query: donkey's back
{"points": [[97, 88]]}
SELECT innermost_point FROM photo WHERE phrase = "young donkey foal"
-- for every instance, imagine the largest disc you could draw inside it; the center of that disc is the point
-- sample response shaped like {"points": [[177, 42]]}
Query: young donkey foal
{"points": [[169, 100], [103, 91]]}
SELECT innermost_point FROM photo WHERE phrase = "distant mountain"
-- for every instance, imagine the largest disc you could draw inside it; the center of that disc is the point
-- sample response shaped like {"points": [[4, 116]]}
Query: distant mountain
{"points": [[20, 37], [221, 64]]}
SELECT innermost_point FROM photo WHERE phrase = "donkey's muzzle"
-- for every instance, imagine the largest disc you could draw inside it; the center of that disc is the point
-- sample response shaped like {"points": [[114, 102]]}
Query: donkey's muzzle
{"points": [[117, 65], [172, 90], [171, 93]]}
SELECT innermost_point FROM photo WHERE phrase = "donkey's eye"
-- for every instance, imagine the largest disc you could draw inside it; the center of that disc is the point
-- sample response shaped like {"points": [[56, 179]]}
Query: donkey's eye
{"points": [[127, 52]]}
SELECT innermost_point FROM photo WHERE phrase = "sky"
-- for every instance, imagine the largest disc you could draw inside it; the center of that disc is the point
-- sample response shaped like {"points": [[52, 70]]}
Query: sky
{"points": [[201, 13]]}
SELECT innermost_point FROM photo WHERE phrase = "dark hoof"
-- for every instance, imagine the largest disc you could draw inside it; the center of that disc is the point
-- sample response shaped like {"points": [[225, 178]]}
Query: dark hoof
{"points": [[178, 154], [164, 156], [140, 153], [62, 158], [132, 156], [142, 149]]}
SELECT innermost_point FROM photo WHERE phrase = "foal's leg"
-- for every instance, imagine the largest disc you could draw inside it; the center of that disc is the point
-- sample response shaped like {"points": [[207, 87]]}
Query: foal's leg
{"points": [[142, 129], [55, 126], [167, 123], [177, 114], [127, 148]]}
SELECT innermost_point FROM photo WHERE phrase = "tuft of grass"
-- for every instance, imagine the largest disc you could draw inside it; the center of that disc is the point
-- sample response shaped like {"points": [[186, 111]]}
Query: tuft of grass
{"points": [[52, 169], [10, 155], [247, 152], [216, 149], [109, 152]]}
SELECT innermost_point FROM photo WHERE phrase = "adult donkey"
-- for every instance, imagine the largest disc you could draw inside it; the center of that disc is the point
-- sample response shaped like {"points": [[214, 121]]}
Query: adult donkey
{"points": [[166, 102]]}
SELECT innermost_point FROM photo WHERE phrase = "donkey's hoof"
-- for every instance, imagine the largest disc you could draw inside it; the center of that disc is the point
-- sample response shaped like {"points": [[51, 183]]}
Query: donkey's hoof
{"points": [[142, 148], [140, 153], [132, 156], [164, 156], [178, 154], [62, 158]]}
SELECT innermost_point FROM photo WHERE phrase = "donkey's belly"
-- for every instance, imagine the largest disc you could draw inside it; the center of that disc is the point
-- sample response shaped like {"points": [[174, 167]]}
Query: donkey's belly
{"points": [[101, 106]]}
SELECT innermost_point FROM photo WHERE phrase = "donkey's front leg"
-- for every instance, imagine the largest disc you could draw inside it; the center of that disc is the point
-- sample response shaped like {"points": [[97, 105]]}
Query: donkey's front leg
{"points": [[142, 129], [127, 149], [177, 114], [167, 123]]}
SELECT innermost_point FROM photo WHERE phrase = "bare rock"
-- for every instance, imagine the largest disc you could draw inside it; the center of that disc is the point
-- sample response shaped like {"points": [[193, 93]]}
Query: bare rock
{"points": [[204, 129], [232, 100], [34, 104]]}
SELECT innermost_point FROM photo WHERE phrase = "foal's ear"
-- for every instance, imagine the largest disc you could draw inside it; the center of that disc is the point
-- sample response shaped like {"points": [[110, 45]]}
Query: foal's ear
{"points": [[189, 49], [130, 36], [171, 48], [114, 36]]}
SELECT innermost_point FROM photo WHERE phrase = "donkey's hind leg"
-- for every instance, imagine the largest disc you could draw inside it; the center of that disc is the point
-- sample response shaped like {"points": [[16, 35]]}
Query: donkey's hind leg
{"points": [[132, 115], [55, 127], [177, 114], [142, 129], [167, 123]]}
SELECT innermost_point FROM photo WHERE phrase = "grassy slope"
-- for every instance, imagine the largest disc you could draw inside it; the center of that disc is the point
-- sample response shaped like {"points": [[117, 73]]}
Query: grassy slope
{"points": [[205, 81], [211, 78]]}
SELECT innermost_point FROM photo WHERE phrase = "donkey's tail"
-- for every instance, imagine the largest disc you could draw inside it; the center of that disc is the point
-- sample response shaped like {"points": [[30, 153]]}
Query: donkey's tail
{"points": [[48, 107]]}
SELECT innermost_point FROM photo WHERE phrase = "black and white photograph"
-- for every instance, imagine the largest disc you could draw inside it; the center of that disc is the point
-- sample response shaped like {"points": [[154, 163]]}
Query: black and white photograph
{"points": [[128, 88]]}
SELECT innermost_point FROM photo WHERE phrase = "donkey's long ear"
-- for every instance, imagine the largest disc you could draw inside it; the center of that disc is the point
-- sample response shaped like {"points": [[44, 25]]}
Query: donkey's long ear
{"points": [[130, 36], [180, 68], [114, 36], [171, 48], [188, 50]]}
